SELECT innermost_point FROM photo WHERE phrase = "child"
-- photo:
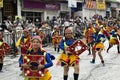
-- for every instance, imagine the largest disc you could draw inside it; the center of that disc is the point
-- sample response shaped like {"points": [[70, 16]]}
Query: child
{"points": [[24, 42], [56, 40], [36, 49], [98, 45], [66, 58]]}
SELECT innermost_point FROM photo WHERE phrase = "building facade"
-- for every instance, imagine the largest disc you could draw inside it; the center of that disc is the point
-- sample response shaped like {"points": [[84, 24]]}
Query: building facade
{"points": [[37, 9], [40, 9], [113, 8], [9, 8]]}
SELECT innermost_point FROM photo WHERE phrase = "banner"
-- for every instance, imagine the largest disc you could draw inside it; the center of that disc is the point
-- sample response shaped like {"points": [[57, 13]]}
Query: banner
{"points": [[72, 3], [1, 3], [101, 4], [90, 4]]}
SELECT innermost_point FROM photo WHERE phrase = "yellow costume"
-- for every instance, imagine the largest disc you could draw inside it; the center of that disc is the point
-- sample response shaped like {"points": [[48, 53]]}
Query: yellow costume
{"points": [[113, 41], [68, 60], [99, 45], [19, 41]]}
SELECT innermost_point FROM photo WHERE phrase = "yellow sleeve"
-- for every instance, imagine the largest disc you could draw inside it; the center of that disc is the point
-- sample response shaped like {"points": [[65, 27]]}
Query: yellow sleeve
{"points": [[84, 31], [18, 42], [94, 30]]}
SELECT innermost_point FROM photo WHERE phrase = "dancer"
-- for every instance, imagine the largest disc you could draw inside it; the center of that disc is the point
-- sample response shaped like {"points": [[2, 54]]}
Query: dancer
{"points": [[36, 49], [114, 39], [66, 58], [24, 42], [56, 39], [88, 35], [98, 45], [4, 49]]}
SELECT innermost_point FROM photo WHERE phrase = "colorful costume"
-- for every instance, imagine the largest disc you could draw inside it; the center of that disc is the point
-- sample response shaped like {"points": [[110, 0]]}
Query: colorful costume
{"points": [[114, 40], [89, 39], [99, 38], [48, 64], [106, 32], [4, 49], [34, 64], [69, 58], [98, 46], [56, 39], [65, 58], [24, 42]]}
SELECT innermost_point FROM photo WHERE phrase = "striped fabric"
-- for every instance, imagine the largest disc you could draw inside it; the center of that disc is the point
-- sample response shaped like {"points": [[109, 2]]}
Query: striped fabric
{"points": [[89, 4]]}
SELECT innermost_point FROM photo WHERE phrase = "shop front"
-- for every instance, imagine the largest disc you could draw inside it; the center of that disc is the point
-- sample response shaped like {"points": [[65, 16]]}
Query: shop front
{"points": [[9, 8], [37, 10]]}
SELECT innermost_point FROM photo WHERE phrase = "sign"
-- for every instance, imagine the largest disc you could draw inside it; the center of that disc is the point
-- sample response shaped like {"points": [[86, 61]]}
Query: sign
{"points": [[101, 4], [51, 6], [40, 5], [1, 3]]}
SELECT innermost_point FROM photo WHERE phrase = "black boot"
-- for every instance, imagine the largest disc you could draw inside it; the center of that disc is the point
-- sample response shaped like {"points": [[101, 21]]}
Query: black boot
{"points": [[89, 52], [109, 48], [1, 66], [55, 48], [103, 62], [65, 77], [58, 50], [93, 61], [76, 76], [118, 48]]}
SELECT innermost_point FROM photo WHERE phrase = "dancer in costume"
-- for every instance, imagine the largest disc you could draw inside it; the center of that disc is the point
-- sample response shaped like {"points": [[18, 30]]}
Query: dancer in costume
{"points": [[66, 58], [41, 34], [106, 30], [36, 49], [24, 42], [98, 45], [56, 39], [114, 39], [88, 35], [4, 49]]}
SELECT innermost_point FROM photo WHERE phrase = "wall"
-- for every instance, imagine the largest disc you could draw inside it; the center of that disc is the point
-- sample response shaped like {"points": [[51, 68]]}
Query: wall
{"points": [[51, 14], [18, 8], [78, 13], [89, 13]]}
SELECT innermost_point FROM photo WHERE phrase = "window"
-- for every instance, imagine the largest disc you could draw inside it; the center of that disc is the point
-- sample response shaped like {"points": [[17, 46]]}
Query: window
{"points": [[32, 16]]}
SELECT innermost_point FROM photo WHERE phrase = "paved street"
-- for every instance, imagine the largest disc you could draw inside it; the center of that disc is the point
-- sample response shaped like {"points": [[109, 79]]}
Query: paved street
{"points": [[88, 71]]}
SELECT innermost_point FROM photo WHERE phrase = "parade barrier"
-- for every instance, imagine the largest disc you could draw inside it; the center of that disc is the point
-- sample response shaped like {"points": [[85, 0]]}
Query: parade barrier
{"points": [[12, 37]]}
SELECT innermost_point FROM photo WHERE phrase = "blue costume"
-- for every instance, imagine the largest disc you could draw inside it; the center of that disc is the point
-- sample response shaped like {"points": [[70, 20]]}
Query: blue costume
{"points": [[66, 58], [114, 40], [68, 43], [99, 38], [98, 46]]}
